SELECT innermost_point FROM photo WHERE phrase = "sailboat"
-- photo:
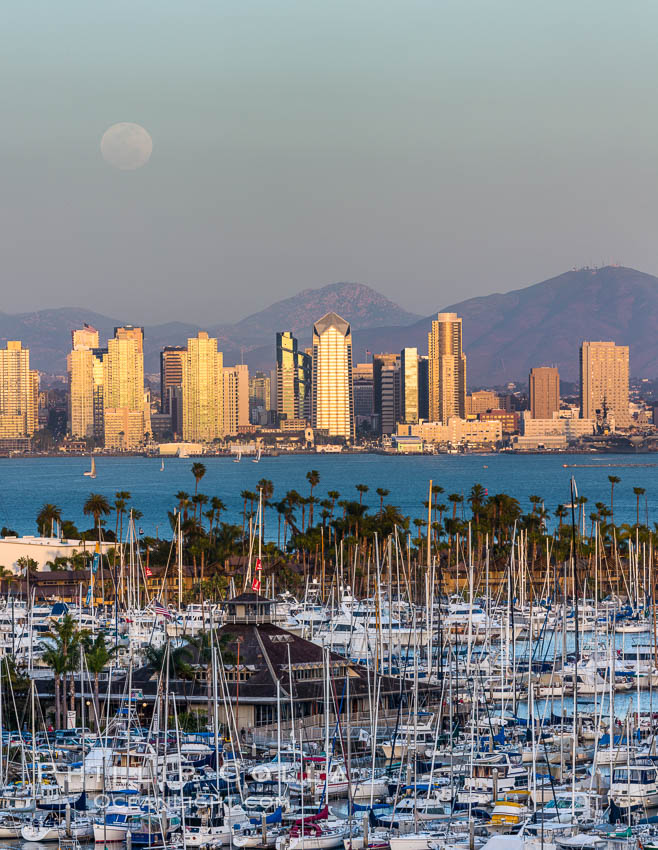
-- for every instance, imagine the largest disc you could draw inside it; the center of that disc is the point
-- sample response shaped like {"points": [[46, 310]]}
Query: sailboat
{"points": [[92, 472], [162, 465], [238, 458], [257, 458]]}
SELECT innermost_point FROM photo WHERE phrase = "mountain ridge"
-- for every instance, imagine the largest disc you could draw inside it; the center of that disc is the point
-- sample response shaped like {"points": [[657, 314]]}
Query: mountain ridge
{"points": [[504, 334]]}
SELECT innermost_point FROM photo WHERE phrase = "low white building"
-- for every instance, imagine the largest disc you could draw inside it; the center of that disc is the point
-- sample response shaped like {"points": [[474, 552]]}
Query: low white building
{"points": [[42, 550]]}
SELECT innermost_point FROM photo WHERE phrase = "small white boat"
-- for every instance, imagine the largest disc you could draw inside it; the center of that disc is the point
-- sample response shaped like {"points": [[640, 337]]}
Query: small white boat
{"points": [[257, 458], [162, 465], [92, 472], [54, 829], [238, 458]]}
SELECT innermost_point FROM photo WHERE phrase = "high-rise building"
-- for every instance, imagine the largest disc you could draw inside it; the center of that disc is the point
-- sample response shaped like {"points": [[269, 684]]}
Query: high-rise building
{"points": [[19, 393], [333, 401], [380, 362], [604, 382], [447, 369], [236, 398], [171, 373], [293, 378], [409, 385], [544, 384], [363, 393], [423, 387], [127, 415], [260, 398], [81, 382], [202, 390], [390, 397]]}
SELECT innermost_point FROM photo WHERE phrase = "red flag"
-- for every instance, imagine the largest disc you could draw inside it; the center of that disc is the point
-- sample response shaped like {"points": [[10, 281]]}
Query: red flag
{"points": [[255, 584], [148, 571]]}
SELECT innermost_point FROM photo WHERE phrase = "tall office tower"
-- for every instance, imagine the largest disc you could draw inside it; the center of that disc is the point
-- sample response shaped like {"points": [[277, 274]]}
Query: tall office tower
{"points": [[379, 363], [19, 393], [544, 383], [333, 401], [202, 390], [423, 387], [171, 373], [127, 415], [81, 382], [260, 402], [236, 398], [363, 392], [293, 378], [409, 385], [390, 397], [447, 369], [98, 393], [604, 381]]}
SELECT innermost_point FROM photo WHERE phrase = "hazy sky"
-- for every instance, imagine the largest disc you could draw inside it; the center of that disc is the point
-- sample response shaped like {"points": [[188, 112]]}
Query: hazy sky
{"points": [[433, 150]]}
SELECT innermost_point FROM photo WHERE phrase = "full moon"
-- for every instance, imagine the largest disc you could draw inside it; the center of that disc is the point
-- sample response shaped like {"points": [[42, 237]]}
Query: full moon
{"points": [[126, 146]]}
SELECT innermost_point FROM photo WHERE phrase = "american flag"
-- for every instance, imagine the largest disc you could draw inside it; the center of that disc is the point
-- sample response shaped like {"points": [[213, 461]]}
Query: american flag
{"points": [[161, 611]]}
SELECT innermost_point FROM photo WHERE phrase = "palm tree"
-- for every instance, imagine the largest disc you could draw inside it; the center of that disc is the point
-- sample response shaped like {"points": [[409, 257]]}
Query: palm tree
{"points": [[183, 500], [560, 513], [216, 507], [64, 637], [382, 492], [456, 499], [266, 488], [476, 500], [27, 566], [334, 495], [639, 491], [46, 519], [198, 471], [613, 479], [178, 659], [98, 506], [97, 656], [52, 657], [313, 478], [361, 489]]}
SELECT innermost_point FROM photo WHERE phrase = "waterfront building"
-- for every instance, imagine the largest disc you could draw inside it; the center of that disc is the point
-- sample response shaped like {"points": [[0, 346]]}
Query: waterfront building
{"points": [[293, 378], [481, 401], [333, 400], [84, 342], [260, 398], [409, 385], [19, 393], [454, 432], [380, 363], [127, 415], [390, 398], [202, 390], [604, 382], [172, 358], [544, 384], [447, 369], [236, 398], [423, 387]]}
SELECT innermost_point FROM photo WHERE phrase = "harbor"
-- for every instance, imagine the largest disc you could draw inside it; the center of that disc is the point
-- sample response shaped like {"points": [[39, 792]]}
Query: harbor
{"points": [[486, 683]]}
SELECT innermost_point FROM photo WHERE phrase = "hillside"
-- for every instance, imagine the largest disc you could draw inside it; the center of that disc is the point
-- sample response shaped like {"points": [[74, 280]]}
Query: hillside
{"points": [[47, 333], [544, 324]]}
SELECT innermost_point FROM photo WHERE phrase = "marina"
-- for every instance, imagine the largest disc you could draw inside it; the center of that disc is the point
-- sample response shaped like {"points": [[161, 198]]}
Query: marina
{"points": [[473, 686]]}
